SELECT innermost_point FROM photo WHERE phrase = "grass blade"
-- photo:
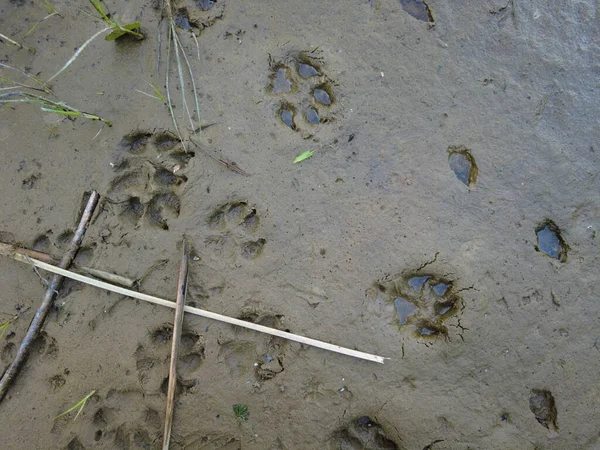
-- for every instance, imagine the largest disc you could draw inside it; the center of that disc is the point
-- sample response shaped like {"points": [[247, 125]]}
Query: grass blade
{"points": [[194, 91], [303, 156], [50, 8], [125, 29], [62, 111], [31, 77], [20, 85], [32, 29], [49, 105], [5, 325], [80, 404], [79, 50], [169, 103], [10, 41], [158, 94], [178, 47], [98, 7]]}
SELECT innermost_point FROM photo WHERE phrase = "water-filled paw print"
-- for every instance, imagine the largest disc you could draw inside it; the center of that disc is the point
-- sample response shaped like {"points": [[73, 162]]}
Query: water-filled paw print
{"points": [[306, 94], [419, 302], [148, 174], [235, 226]]}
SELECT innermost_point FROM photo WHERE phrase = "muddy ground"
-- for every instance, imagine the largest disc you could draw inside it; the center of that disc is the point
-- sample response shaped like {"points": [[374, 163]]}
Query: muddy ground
{"points": [[504, 357]]}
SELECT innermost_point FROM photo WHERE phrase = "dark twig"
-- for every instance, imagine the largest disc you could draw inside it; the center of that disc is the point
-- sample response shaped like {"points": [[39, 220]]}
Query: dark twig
{"points": [[181, 291], [229, 164], [40, 316]]}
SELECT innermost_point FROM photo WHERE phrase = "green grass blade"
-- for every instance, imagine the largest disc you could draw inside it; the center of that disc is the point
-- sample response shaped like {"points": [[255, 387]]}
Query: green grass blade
{"points": [[77, 53], [49, 105], [32, 29], [95, 117], [80, 404], [20, 85], [50, 8], [62, 111], [98, 7], [5, 325], [123, 30], [158, 94], [303, 156], [31, 77]]}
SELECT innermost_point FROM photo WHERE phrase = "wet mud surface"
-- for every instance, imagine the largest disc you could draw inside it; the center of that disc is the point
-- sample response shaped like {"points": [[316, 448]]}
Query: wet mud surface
{"points": [[448, 219]]}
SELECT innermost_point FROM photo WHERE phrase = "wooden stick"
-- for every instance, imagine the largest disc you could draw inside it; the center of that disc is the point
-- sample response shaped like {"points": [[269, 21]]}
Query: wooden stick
{"points": [[10, 250], [177, 325], [40, 315], [203, 313]]}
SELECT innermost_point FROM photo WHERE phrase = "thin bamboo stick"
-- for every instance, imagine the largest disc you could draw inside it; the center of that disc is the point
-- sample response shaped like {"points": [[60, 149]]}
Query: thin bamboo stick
{"points": [[177, 326], [203, 313], [40, 315]]}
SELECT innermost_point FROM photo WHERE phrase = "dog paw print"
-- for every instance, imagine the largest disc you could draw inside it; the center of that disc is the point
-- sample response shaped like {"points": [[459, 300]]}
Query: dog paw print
{"points": [[266, 355], [234, 226], [152, 360], [124, 419], [362, 433], [421, 303], [271, 352], [148, 176], [198, 14], [307, 95]]}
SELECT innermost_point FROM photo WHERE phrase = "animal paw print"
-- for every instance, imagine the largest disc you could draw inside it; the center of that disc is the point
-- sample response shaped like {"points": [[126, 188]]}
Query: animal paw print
{"points": [[148, 170], [271, 352], [234, 225], [419, 302], [266, 355], [198, 14], [152, 360], [307, 95], [362, 433]]}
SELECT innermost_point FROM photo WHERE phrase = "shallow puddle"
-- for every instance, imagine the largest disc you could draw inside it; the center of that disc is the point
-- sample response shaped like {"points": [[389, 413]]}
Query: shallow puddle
{"points": [[440, 289], [281, 82], [463, 165], [322, 96], [287, 114], [206, 5], [418, 9], [312, 116], [429, 329], [404, 309], [182, 21], [307, 71], [445, 309], [550, 241], [417, 282], [287, 117]]}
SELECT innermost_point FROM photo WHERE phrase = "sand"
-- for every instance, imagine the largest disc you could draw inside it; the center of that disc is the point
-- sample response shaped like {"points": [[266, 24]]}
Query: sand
{"points": [[323, 248]]}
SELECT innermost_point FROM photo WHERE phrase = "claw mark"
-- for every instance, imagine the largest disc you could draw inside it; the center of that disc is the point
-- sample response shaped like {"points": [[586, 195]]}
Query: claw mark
{"points": [[430, 446], [472, 287], [554, 299], [429, 262]]}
